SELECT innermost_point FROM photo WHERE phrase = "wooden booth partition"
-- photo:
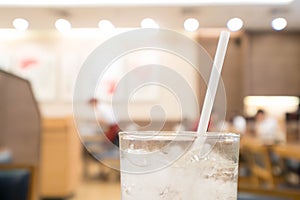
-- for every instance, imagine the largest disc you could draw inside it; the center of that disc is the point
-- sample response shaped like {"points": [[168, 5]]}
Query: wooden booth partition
{"points": [[61, 158], [19, 132]]}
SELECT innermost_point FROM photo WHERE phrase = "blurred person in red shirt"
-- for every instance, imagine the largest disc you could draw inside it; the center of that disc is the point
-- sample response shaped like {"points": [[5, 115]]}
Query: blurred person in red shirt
{"points": [[106, 115]]}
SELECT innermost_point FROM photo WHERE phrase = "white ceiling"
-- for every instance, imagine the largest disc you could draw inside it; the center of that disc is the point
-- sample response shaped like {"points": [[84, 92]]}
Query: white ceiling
{"points": [[256, 17]]}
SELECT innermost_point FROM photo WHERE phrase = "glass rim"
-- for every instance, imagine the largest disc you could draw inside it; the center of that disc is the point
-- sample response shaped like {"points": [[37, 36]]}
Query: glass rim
{"points": [[143, 134]]}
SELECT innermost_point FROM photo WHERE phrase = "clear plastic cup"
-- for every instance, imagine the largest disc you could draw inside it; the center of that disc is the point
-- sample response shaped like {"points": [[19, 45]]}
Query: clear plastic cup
{"points": [[161, 165]]}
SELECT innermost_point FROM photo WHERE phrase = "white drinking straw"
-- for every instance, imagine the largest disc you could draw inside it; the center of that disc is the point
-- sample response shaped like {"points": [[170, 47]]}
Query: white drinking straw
{"points": [[213, 82]]}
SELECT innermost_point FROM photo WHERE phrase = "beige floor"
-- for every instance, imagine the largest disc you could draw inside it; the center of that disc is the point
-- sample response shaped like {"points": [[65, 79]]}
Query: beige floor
{"points": [[92, 187], [97, 190]]}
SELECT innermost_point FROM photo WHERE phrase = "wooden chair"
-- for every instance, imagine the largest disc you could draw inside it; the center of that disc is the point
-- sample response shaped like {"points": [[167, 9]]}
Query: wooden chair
{"points": [[262, 179], [259, 163]]}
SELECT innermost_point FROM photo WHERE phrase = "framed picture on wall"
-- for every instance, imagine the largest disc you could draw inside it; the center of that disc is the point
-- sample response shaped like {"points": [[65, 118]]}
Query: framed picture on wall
{"points": [[33, 62]]}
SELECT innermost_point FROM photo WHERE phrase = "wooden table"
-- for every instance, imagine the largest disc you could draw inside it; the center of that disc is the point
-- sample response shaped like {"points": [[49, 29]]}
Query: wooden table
{"points": [[288, 150], [284, 150]]}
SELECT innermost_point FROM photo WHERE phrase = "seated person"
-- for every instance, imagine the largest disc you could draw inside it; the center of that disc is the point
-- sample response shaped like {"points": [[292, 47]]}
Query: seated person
{"points": [[106, 114], [266, 128]]}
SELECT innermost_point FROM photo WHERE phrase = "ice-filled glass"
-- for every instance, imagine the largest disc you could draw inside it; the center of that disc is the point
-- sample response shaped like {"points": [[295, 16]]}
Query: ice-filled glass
{"points": [[166, 166]]}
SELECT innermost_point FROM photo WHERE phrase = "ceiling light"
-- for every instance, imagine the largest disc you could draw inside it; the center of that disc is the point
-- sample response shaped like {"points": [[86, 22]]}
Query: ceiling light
{"points": [[105, 25], [191, 24], [20, 24], [63, 25], [279, 24], [235, 24], [149, 23]]}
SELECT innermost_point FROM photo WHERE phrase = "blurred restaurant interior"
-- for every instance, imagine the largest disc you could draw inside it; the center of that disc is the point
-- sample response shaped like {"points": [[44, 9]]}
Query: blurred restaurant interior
{"points": [[49, 152]]}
